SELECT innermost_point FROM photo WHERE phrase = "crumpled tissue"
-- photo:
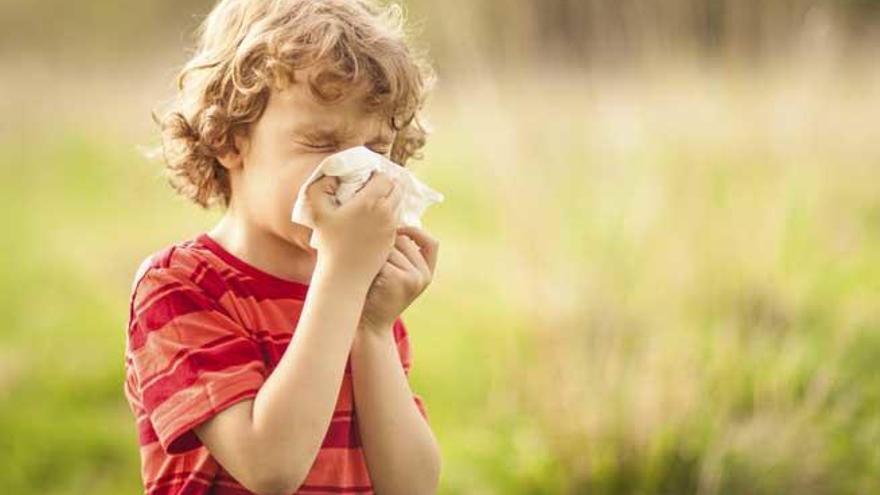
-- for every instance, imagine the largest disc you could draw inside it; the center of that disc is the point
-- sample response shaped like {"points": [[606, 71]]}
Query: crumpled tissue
{"points": [[353, 166]]}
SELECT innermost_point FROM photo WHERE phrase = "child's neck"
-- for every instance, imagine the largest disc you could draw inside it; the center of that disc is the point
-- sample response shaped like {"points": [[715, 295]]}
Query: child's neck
{"points": [[264, 250]]}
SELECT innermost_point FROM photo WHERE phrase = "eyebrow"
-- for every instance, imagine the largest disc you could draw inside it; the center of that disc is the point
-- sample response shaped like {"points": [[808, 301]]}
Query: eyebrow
{"points": [[335, 135]]}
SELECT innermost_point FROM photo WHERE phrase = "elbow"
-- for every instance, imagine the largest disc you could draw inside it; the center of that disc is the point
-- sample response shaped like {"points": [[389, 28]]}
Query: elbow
{"points": [[433, 463], [274, 471], [433, 476], [428, 480], [272, 479], [277, 484], [274, 488]]}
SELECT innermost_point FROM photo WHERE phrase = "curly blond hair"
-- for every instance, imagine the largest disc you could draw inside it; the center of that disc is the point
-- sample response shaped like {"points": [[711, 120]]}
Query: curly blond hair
{"points": [[247, 47]]}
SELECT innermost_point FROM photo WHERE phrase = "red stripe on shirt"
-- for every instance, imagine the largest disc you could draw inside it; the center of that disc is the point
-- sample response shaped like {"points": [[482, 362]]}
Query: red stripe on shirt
{"points": [[228, 355]]}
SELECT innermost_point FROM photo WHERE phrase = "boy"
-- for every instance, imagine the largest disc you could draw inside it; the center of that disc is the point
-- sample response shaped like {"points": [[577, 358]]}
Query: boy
{"points": [[255, 364]]}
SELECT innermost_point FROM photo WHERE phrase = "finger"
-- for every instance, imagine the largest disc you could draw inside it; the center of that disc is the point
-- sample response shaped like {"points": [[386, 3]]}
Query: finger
{"points": [[395, 199], [389, 269], [395, 190], [321, 194], [377, 186], [427, 243], [326, 184], [395, 194], [400, 260], [411, 250]]}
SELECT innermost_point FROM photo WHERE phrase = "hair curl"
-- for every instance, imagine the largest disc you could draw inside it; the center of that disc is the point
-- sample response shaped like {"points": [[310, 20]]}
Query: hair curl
{"points": [[247, 47]]}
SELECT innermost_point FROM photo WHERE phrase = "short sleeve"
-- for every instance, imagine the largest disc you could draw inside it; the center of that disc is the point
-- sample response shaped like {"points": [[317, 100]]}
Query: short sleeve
{"points": [[404, 349], [191, 359]]}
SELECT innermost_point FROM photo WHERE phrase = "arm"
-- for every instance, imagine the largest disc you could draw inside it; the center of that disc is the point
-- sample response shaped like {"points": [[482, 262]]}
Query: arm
{"points": [[254, 439], [401, 450]]}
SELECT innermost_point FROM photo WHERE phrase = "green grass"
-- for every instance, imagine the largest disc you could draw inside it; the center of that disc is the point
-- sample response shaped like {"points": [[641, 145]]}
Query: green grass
{"points": [[665, 286]]}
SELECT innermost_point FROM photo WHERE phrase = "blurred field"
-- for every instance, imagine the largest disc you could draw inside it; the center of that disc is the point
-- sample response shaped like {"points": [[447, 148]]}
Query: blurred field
{"points": [[661, 279]]}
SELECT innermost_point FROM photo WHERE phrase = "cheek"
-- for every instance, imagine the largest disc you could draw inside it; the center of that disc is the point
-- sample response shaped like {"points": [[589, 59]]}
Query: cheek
{"points": [[273, 191]]}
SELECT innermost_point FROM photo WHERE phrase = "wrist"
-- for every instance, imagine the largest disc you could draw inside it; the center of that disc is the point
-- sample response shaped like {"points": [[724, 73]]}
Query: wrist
{"points": [[373, 336], [375, 328], [332, 268]]}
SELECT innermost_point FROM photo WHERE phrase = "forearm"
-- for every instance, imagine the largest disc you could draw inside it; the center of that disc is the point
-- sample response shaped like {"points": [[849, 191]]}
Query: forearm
{"points": [[401, 451], [294, 407]]}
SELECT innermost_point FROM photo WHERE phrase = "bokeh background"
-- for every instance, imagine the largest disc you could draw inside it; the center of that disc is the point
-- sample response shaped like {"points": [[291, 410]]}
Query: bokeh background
{"points": [[660, 248]]}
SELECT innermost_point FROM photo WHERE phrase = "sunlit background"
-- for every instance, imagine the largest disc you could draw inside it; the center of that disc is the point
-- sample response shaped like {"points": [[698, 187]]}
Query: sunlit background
{"points": [[660, 247]]}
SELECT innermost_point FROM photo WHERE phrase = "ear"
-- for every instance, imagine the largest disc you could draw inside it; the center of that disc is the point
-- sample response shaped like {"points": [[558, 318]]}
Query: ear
{"points": [[234, 158]]}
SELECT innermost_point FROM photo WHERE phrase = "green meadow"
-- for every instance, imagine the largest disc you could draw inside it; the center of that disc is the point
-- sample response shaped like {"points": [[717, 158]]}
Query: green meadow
{"points": [[658, 284]]}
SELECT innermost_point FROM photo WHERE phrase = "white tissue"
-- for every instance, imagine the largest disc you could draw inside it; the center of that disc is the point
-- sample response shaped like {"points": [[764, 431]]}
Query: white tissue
{"points": [[353, 167]]}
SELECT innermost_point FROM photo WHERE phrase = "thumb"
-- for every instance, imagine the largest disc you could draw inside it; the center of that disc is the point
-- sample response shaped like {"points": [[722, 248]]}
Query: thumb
{"points": [[321, 195]]}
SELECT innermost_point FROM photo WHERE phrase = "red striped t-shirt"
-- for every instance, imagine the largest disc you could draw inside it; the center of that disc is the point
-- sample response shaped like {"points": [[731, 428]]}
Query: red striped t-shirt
{"points": [[205, 330]]}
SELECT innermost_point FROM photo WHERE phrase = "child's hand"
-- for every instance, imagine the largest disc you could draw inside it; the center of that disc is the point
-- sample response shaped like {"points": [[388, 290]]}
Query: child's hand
{"points": [[359, 234], [404, 276]]}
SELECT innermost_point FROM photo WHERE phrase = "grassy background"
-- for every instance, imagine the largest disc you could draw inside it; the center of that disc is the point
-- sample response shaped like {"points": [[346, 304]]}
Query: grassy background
{"points": [[664, 279]]}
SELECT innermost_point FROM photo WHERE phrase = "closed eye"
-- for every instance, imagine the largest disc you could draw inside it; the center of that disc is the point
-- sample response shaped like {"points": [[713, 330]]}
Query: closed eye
{"points": [[319, 146], [382, 150]]}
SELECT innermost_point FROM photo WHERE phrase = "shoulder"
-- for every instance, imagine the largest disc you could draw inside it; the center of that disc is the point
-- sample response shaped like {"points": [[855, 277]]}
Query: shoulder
{"points": [[175, 287], [183, 264]]}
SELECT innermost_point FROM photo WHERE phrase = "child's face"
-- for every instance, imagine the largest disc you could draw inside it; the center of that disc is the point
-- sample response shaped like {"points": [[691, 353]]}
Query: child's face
{"points": [[295, 132]]}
